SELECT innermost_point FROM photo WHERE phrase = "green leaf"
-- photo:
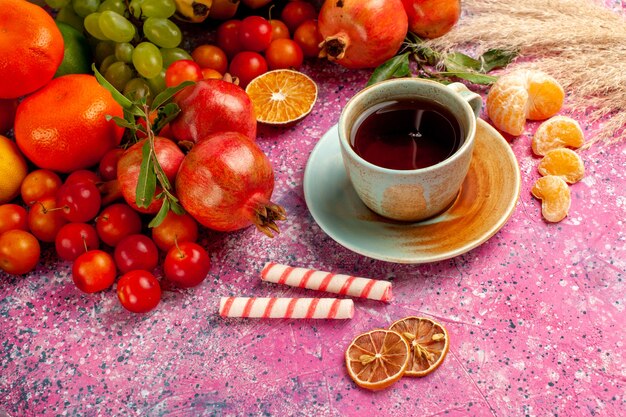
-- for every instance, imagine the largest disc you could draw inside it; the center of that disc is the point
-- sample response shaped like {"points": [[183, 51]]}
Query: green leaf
{"points": [[168, 93], [121, 122], [121, 99], [165, 115], [496, 58], [427, 56], [397, 66], [473, 77], [177, 208], [158, 219], [457, 61], [146, 185]]}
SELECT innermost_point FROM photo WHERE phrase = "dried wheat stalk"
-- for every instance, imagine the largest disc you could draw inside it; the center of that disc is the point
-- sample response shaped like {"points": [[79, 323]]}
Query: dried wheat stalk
{"points": [[580, 43]]}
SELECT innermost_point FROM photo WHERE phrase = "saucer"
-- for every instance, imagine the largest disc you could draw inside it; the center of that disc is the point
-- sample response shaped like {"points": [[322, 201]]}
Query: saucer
{"points": [[487, 199]]}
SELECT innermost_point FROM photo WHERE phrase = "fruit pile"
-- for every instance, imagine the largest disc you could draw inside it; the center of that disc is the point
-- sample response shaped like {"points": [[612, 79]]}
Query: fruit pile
{"points": [[121, 144]]}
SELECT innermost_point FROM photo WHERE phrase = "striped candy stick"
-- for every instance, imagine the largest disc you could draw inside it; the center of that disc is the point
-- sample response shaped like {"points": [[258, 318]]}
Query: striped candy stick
{"points": [[286, 308], [327, 281]]}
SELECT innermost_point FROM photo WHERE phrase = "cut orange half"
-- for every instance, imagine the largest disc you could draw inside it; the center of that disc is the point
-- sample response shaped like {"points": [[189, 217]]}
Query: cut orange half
{"points": [[377, 359], [282, 96], [428, 341]]}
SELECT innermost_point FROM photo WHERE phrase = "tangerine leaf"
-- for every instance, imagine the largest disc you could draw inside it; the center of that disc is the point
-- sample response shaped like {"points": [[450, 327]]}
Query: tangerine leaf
{"points": [[168, 93], [457, 61], [158, 219], [473, 77], [120, 98], [496, 58], [121, 122], [397, 66], [175, 207], [146, 186], [165, 115]]}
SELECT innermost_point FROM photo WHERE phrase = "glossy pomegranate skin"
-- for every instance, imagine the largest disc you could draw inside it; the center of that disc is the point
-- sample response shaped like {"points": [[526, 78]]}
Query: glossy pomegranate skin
{"points": [[362, 33], [169, 156], [223, 180], [212, 106]]}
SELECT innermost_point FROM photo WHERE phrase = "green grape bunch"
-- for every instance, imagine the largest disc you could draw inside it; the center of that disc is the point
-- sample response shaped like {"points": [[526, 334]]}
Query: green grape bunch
{"points": [[134, 41]]}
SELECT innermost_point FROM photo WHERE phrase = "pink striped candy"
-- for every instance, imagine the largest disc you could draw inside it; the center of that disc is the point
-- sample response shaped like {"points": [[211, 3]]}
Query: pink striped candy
{"points": [[286, 308], [327, 281]]}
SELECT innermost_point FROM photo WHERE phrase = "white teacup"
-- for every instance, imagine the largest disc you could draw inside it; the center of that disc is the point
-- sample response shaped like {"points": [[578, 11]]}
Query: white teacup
{"points": [[410, 194]]}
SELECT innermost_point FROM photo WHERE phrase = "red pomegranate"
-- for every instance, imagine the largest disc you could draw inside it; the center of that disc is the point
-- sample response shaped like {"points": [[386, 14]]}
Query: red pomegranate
{"points": [[225, 182], [169, 156], [362, 33], [212, 106]]}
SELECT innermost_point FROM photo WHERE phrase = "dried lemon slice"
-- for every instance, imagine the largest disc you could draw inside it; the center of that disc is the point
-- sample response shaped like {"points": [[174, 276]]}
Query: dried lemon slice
{"points": [[377, 359], [429, 344], [282, 96]]}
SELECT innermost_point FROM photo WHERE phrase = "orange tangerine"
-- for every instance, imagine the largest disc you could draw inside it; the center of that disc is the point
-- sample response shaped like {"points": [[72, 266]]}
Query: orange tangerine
{"points": [[554, 195], [282, 96], [377, 359], [521, 95], [31, 48], [429, 344], [557, 132], [564, 163]]}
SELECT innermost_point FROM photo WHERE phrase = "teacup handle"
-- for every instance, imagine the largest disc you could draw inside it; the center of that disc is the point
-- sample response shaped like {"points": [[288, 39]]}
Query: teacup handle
{"points": [[475, 100]]}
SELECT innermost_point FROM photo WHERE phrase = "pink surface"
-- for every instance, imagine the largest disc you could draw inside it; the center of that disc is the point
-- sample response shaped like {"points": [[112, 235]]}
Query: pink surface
{"points": [[535, 315]]}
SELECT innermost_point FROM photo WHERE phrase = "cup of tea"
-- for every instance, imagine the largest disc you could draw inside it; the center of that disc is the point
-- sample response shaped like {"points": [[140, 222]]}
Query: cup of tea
{"points": [[407, 144]]}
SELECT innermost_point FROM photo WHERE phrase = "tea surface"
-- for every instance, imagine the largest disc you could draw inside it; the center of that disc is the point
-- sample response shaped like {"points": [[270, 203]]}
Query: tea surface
{"points": [[406, 134]]}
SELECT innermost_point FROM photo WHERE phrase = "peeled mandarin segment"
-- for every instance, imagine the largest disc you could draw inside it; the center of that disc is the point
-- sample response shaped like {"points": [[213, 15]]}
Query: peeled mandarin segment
{"points": [[506, 105], [557, 132], [377, 359], [282, 96], [564, 163], [545, 96], [555, 197], [428, 344]]}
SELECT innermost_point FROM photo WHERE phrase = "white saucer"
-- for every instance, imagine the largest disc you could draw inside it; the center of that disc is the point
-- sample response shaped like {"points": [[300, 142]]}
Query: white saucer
{"points": [[487, 199]]}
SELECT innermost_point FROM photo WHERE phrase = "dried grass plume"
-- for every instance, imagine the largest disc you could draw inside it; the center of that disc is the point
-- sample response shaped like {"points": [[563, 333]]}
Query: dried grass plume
{"points": [[581, 43]]}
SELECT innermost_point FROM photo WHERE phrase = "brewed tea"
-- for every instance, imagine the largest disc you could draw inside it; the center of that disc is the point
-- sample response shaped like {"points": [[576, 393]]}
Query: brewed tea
{"points": [[406, 134]]}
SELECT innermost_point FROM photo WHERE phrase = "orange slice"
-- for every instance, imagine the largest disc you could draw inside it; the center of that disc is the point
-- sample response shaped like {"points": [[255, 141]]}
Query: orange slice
{"points": [[282, 96], [377, 359], [564, 163], [557, 132], [429, 344], [555, 197], [521, 95]]}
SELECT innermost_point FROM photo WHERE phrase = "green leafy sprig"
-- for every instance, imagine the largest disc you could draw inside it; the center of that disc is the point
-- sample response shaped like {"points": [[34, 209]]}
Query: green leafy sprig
{"points": [[445, 68], [151, 173]]}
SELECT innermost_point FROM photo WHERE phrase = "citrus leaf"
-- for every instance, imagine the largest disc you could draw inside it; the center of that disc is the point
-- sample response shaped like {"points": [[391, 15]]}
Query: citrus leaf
{"points": [[473, 77], [165, 115], [397, 66], [177, 208], [121, 122], [158, 219], [168, 93], [496, 58], [457, 61], [121, 99], [146, 185]]}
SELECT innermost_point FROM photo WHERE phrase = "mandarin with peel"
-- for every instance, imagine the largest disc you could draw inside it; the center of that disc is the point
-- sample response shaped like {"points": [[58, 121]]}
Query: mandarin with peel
{"points": [[555, 197], [564, 163], [377, 359], [557, 132], [521, 95]]}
